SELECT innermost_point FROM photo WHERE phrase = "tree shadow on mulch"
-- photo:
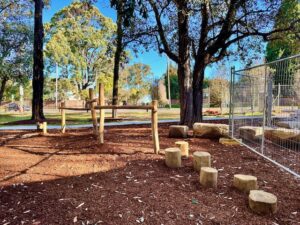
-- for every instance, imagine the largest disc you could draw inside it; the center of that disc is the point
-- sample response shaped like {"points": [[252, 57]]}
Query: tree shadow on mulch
{"points": [[142, 191]]}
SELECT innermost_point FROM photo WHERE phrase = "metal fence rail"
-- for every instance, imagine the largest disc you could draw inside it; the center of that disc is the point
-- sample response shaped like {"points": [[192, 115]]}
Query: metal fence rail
{"points": [[265, 111]]}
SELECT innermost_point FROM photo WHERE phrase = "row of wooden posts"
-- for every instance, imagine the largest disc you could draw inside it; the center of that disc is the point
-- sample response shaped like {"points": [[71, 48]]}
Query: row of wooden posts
{"points": [[99, 104]]}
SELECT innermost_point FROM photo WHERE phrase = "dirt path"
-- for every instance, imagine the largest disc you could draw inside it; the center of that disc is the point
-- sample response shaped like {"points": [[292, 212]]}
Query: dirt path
{"points": [[70, 179]]}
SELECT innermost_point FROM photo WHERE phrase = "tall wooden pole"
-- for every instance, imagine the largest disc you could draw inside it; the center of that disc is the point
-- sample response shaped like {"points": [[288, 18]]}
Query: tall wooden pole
{"points": [[154, 119], [56, 87], [63, 117], [93, 111], [102, 113]]}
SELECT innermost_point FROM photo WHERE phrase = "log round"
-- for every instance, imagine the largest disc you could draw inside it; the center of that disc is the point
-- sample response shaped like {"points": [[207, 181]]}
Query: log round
{"points": [[208, 177], [210, 130], [262, 202], [245, 183], [184, 148], [173, 157], [201, 159], [178, 131]]}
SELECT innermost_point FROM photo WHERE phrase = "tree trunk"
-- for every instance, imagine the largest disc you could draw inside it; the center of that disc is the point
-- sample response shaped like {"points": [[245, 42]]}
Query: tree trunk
{"points": [[184, 71], [38, 63], [117, 59], [198, 79], [2, 88]]}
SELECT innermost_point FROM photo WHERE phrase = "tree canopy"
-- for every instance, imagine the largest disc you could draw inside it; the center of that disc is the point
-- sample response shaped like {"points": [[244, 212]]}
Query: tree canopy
{"points": [[16, 37], [80, 39], [287, 43]]}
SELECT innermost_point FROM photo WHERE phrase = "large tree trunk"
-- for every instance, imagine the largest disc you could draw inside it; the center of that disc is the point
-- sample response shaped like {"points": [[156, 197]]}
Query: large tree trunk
{"points": [[38, 63], [117, 59], [186, 94], [184, 71], [2, 88], [198, 78]]}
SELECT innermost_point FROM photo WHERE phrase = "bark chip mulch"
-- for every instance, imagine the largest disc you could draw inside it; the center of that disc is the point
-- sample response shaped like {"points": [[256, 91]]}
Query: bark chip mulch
{"points": [[70, 179]]}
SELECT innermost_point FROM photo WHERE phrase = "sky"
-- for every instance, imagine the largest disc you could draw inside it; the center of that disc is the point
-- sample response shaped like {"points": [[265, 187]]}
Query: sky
{"points": [[157, 62]]}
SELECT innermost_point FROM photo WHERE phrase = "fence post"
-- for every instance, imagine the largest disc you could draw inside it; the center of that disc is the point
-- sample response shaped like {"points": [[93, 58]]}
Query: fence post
{"points": [[154, 124], [102, 113], [262, 146], [63, 117], [93, 111], [231, 104]]}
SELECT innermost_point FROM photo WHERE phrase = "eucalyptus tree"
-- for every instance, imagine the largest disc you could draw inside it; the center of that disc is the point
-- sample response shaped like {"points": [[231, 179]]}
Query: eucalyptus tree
{"points": [[15, 42], [80, 39], [129, 35], [136, 80], [286, 43], [197, 33], [38, 63]]}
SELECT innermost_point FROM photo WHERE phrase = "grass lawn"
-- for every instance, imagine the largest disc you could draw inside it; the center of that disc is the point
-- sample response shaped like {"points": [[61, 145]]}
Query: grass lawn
{"points": [[76, 118]]}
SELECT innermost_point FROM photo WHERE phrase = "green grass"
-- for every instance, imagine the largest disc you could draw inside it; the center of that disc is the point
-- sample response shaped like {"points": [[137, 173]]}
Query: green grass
{"points": [[79, 118]]}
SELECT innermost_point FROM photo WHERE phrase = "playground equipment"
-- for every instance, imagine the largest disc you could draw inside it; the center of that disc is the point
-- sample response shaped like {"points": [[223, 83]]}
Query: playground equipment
{"points": [[94, 104]]}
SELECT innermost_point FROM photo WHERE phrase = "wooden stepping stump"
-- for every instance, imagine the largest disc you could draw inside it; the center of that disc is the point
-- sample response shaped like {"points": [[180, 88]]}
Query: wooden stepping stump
{"points": [[245, 183], [178, 131], [262, 202], [201, 159], [173, 157], [208, 177], [184, 148]]}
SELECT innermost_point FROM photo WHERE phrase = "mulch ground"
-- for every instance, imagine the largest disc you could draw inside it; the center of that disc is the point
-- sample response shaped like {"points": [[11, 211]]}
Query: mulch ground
{"points": [[70, 179]]}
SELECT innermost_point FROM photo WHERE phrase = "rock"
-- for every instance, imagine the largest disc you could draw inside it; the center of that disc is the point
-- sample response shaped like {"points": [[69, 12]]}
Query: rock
{"points": [[201, 159], [178, 131], [289, 124], [262, 202], [173, 157], [208, 177], [245, 183], [210, 130], [250, 133], [184, 148], [228, 141], [283, 136]]}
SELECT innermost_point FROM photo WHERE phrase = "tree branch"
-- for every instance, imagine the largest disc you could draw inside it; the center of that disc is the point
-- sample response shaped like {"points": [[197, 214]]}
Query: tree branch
{"points": [[161, 33]]}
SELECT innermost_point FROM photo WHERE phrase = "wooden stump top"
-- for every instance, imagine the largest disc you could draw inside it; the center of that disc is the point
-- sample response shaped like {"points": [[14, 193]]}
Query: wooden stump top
{"points": [[209, 170], [244, 177], [181, 143], [201, 154], [172, 150], [262, 196]]}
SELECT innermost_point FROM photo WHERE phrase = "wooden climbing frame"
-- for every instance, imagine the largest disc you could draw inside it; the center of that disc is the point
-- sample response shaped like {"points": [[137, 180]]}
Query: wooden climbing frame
{"points": [[93, 106]]}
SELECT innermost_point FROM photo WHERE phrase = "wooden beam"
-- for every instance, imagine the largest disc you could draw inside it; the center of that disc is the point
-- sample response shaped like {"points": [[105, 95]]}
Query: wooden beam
{"points": [[145, 107], [75, 109]]}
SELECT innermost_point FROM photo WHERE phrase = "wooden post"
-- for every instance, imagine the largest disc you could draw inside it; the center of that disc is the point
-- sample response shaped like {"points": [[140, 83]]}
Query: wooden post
{"points": [[93, 111], [154, 120], [63, 117], [102, 114], [44, 127]]}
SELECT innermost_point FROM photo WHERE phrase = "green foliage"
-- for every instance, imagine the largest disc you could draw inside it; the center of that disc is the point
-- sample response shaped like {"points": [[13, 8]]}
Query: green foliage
{"points": [[174, 88], [16, 37], [80, 39], [217, 87], [136, 82], [287, 43]]}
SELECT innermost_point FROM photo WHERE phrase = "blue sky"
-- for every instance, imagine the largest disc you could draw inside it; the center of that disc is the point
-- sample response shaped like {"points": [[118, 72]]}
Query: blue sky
{"points": [[152, 58], [157, 62]]}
